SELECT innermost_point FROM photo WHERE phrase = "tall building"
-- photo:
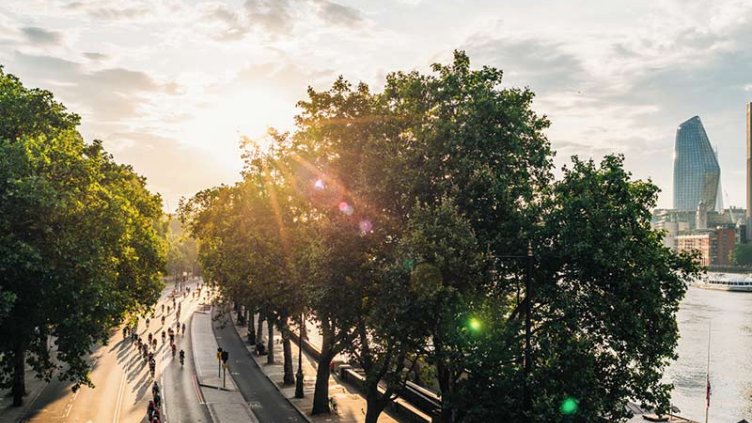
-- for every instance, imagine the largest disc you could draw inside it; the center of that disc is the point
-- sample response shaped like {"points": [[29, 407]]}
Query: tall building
{"points": [[696, 170], [749, 171]]}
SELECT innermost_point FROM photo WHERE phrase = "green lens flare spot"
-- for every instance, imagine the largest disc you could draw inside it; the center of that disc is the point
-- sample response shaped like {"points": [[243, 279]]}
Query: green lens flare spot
{"points": [[474, 324], [568, 406]]}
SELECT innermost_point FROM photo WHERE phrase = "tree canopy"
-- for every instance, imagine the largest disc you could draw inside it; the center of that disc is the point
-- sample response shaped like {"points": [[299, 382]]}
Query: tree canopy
{"points": [[79, 246], [411, 219]]}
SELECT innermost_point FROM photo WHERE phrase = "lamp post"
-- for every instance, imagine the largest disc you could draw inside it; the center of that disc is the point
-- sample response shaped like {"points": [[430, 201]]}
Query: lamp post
{"points": [[527, 305], [299, 375], [528, 332]]}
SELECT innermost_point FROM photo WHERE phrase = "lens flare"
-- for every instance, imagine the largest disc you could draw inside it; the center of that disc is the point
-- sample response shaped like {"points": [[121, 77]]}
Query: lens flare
{"points": [[569, 406], [346, 208], [365, 226], [319, 184], [474, 324]]}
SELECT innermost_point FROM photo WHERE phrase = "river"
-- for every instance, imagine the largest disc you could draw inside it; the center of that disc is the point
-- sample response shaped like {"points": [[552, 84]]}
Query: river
{"points": [[729, 315]]}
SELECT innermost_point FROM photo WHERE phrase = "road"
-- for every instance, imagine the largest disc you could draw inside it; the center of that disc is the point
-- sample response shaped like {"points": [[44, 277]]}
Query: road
{"points": [[180, 387], [123, 382], [267, 402]]}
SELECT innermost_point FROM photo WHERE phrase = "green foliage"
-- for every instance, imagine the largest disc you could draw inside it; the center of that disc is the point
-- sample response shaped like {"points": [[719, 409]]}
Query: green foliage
{"points": [[182, 253], [79, 247], [404, 218], [743, 254]]}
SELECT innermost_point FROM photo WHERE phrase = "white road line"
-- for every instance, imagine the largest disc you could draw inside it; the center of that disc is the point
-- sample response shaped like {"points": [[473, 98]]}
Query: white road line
{"points": [[119, 400], [164, 397]]}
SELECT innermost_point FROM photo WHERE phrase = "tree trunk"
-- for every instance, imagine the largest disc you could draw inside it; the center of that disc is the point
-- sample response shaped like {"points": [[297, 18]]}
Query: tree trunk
{"points": [[251, 329], [19, 377], [321, 390], [270, 343], [374, 406], [260, 330], [289, 377], [444, 375]]}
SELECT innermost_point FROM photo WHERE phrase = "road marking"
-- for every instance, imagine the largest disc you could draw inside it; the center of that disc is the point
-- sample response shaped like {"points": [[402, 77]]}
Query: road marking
{"points": [[119, 401], [199, 395], [164, 397], [70, 404]]}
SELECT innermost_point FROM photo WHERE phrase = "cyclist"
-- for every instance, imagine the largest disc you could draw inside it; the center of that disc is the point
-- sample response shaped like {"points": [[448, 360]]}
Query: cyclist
{"points": [[157, 401], [155, 389], [152, 408]]}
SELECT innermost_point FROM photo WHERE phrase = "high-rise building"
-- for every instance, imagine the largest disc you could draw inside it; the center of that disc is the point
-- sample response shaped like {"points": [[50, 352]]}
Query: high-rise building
{"points": [[749, 174], [696, 170]]}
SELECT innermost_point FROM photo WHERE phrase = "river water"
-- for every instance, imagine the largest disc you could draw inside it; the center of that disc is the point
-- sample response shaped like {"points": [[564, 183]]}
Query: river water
{"points": [[729, 316]]}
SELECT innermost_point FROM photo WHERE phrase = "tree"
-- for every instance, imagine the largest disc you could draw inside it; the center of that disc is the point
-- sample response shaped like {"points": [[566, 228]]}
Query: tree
{"points": [[78, 242], [607, 292], [743, 254], [419, 213]]}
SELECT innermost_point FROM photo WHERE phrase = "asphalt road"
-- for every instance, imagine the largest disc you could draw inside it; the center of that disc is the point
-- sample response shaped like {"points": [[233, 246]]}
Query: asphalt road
{"points": [[180, 386], [123, 383], [267, 402]]}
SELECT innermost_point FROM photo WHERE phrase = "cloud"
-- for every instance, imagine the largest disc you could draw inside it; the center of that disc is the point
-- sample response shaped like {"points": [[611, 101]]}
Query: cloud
{"points": [[274, 16], [233, 25], [42, 36], [95, 56], [337, 14], [106, 94], [271, 19], [110, 10], [543, 65]]}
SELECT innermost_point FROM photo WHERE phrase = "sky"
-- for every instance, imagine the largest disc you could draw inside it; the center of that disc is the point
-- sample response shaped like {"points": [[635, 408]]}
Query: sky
{"points": [[171, 86]]}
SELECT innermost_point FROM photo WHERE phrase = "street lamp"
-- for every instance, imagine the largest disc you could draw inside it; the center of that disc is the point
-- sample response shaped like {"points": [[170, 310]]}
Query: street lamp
{"points": [[528, 364], [299, 375]]}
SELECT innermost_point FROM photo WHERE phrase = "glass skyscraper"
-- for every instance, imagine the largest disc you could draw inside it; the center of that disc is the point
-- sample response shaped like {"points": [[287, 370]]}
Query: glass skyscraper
{"points": [[696, 170]]}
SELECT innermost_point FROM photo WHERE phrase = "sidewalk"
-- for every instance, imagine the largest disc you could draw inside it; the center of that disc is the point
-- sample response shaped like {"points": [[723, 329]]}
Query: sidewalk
{"points": [[34, 387], [351, 407], [225, 405]]}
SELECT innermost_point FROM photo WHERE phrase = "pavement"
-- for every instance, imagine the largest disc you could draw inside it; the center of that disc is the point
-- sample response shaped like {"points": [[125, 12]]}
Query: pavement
{"points": [[122, 383], [258, 391], [180, 386], [351, 406], [225, 402]]}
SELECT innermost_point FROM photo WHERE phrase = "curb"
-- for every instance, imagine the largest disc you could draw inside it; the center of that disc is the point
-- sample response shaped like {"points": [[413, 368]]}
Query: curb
{"points": [[219, 388], [302, 414], [212, 417]]}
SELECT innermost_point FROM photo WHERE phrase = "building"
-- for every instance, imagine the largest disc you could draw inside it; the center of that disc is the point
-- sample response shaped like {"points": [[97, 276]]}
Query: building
{"points": [[749, 173], [700, 242], [726, 240], [696, 171], [715, 246]]}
